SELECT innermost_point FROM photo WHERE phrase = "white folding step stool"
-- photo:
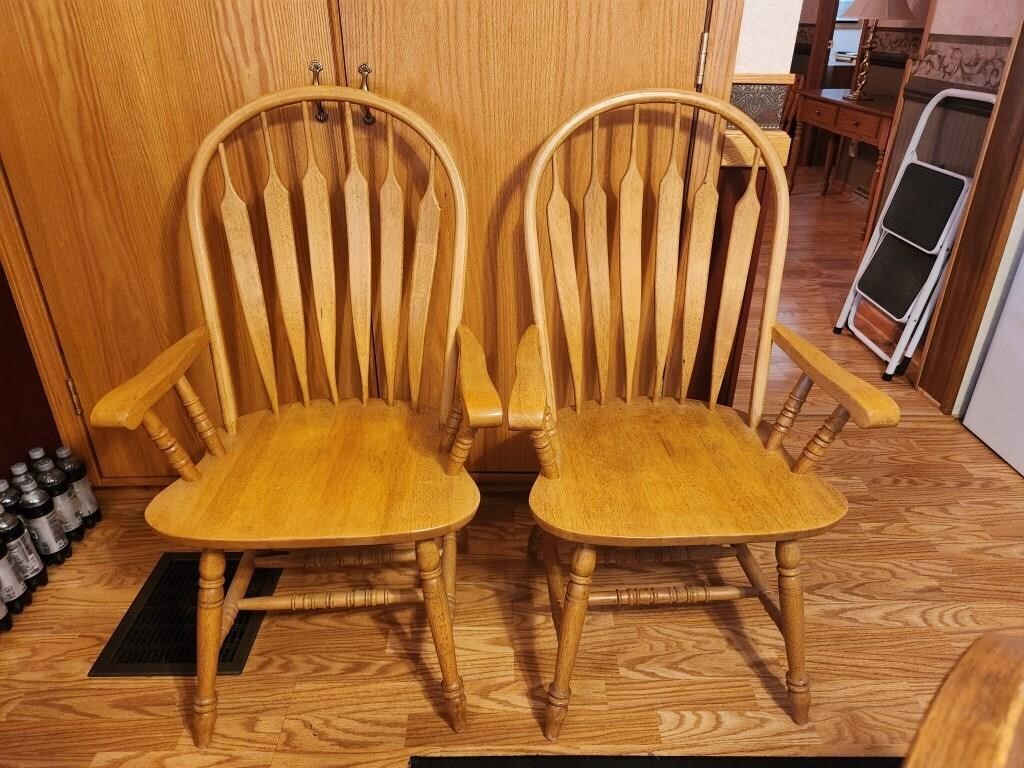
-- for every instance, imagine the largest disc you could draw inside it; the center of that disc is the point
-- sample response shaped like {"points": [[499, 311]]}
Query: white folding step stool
{"points": [[906, 257]]}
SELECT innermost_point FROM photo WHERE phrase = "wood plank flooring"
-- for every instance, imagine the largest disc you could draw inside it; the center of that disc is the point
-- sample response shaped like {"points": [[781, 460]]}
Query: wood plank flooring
{"points": [[928, 558]]}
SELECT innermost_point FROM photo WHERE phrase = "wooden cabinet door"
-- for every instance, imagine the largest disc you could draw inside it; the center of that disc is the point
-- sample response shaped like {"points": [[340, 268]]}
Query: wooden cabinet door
{"points": [[104, 104], [495, 79]]}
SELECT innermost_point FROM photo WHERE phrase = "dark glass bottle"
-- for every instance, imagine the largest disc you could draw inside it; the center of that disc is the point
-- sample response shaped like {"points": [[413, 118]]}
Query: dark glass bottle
{"points": [[13, 589], [9, 496], [45, 528], [6, 622], [74, 468], [22, 551], [53, 481]]}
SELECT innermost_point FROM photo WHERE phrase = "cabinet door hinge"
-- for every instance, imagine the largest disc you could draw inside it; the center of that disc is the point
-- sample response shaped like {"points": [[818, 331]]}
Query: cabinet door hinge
{"points": [[702, 59], [76, 403]]}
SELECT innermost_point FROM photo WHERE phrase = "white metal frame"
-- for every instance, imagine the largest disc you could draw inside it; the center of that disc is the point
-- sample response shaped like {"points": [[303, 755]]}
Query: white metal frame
{"points": [[915, 320]]}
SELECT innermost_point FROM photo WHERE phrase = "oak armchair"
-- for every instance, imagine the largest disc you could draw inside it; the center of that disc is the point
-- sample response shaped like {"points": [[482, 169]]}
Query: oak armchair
{"points": [[344, 476], [668, 477]]}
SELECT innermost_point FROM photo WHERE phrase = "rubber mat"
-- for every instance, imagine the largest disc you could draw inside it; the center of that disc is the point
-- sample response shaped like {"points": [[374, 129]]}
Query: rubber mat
{"points": [[895, 275], [157, 635], [922, 205], [608, 761]]}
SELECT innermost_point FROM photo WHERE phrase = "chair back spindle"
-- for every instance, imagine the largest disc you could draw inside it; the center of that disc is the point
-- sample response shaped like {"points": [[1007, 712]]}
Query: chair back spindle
{"points": [[660, 339], [298, 260]]}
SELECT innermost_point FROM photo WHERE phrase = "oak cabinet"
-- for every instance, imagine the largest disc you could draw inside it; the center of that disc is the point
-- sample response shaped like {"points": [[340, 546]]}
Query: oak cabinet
{"points": [[106, 102]]}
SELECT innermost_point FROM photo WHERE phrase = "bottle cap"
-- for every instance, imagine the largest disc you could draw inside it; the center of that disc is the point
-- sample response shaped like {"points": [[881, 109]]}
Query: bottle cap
{"points": [[44, 465], [63, 452], [36, 453], [4, 485], [28, 484], [21, 468]]}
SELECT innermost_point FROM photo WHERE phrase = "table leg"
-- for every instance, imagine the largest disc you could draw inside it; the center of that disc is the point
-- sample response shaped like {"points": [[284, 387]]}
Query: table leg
{"points": [[830, 161], [794, 154]]}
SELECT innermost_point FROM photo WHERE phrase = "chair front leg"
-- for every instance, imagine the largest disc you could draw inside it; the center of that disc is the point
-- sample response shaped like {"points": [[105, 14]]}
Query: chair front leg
{"points": [[573, 615], [208, 638], [428, 558], [791, 599]]}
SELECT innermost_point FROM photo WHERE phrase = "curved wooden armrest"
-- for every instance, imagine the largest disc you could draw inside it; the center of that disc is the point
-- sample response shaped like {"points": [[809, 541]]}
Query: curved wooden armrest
{"points": [[125, 405], [480, 401], [528, 401], [977, 717], [868, 406]]}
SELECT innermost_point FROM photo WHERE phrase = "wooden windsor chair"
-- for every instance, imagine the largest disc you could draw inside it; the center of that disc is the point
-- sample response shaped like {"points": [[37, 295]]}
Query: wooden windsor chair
{"points": [[372, 486], [675, 479]]}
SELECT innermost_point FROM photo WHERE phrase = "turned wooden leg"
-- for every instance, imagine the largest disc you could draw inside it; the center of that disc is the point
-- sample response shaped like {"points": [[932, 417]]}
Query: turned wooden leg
{"points": [[428, 558], [791, 598], [449, 555], [211, 606], [553, 573], [573, 614], [533, 546]]}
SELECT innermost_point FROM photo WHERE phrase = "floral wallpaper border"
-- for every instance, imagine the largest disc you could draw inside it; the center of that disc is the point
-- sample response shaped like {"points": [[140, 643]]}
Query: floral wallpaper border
{"points": [[762, 101], [899, 41], [965, 60]]}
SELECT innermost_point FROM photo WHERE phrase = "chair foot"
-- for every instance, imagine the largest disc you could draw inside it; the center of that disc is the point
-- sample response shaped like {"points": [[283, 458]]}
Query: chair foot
{"points": [[791, 603], [210, 610], [574, 612], [554, 715], [435, 599]]}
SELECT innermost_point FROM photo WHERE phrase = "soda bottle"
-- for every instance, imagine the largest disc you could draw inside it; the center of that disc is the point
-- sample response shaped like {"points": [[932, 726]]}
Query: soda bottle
{"points": [[45, 528], [74, 468], [13, 590], [22, 551], [53, 481], [5, 618], [20, 472], [9, 496], [35, 455]]}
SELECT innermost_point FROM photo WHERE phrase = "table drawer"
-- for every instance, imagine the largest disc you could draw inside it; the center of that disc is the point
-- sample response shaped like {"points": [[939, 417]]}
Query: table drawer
{"points": [[855, 123], [817, 113]]}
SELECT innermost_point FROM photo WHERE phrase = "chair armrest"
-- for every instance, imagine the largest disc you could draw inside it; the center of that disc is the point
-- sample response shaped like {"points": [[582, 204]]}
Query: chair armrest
{"points": [[528, 401], [125, 405], [868, 406], [480, 401]]}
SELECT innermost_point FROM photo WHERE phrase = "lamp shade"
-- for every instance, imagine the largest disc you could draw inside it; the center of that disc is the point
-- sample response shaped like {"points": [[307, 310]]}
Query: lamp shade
{"points": [[883, 10]]}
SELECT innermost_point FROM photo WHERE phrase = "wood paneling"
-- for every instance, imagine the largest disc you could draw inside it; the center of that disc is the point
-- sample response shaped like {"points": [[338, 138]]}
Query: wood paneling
{"points": [[105, 104], [494, 80], [991, 207], [926, 560]]}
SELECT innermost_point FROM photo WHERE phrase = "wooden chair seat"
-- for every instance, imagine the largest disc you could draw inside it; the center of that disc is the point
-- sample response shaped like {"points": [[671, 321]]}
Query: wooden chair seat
{"points": [[321, 475], [664, 473]]}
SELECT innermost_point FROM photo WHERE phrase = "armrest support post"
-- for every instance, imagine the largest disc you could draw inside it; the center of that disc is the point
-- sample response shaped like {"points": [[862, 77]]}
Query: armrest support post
{"points": [[790, 410], [194, 407], [168, 443], [822, 439]]}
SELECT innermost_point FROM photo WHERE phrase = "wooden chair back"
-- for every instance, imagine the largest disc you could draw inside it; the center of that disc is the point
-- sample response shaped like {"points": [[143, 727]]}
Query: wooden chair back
{"points": [[645, 279], [298, 219]]}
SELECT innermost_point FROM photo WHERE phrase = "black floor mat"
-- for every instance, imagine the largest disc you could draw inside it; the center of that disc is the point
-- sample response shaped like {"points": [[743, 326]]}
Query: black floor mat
{"points": [[157, 635], [607, 761]]}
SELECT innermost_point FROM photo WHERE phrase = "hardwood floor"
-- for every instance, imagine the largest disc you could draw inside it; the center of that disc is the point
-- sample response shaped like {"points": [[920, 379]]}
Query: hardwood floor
{"points": [[926, 560]]}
